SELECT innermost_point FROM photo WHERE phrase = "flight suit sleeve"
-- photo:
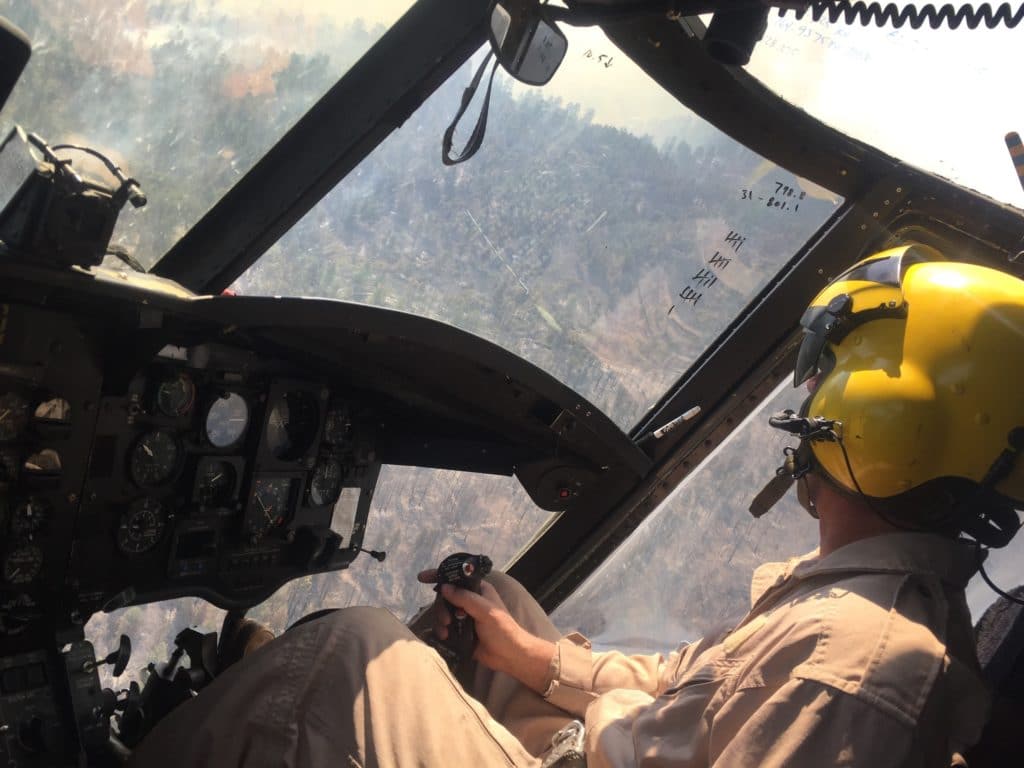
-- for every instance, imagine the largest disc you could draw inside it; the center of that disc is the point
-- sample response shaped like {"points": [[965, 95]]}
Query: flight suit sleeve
{"points": [[804, 722], [578, 674]]}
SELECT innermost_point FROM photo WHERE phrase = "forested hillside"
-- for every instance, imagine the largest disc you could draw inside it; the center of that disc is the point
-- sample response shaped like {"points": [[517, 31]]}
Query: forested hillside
{"points": [[609, 259]]}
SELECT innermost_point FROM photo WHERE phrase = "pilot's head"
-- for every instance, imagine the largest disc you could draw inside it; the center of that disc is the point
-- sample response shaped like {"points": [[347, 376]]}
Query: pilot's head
{"points": [[916, 366]]}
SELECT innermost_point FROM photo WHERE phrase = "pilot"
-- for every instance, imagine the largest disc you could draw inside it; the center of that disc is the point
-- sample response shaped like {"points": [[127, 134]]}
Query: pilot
{"points": [[859, 653]]}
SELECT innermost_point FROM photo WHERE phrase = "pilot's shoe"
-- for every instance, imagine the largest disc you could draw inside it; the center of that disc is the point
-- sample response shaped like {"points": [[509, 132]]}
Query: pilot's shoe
{"points": [[239, 636]]}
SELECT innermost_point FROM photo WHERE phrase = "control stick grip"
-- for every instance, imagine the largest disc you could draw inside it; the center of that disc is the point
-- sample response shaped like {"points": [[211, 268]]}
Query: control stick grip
{"points": [[465, 571]]}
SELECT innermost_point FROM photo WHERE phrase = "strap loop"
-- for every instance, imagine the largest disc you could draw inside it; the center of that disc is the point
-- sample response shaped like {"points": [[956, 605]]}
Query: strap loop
{"points": [[477, 137]]}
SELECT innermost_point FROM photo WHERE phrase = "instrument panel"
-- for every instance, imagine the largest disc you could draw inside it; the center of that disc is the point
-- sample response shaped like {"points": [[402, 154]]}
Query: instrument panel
{"points": [[134, 471], [202, 470], [227, 480]]}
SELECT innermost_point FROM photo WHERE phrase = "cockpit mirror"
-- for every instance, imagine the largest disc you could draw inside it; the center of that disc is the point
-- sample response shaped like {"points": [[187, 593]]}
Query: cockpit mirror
{"points": [[528, 45]]}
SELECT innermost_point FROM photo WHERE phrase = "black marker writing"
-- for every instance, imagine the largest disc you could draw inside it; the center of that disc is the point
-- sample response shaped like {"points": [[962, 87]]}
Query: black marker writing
{"points": [[705, 278], [602, 58], [718, 261], [736, 240], [688, 294]]}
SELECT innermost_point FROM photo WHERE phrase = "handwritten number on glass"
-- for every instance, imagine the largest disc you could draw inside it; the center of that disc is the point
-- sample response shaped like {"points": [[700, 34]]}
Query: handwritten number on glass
{"points": [[602, 58], [785, 198]]}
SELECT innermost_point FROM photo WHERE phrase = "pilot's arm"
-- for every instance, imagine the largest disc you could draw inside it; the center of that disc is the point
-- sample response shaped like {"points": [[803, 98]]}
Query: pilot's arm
{"points": [[567, 673]]}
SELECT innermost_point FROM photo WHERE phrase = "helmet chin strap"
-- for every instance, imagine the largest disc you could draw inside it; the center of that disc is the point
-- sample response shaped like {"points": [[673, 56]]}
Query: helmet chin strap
{"points": [[806, 499]]}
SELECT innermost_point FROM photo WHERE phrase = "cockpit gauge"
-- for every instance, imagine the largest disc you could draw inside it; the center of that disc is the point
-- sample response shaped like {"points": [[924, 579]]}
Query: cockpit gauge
{"points": [[31, 516], [142, 527], [325, 487], [17, 612], [216, 483], [9, 463], [337, 425], [44, 462], [292, 425], [227, 420], [14, 413], [23, 564], [176, 395], [269, 504], [56, 409], [155, 458]]}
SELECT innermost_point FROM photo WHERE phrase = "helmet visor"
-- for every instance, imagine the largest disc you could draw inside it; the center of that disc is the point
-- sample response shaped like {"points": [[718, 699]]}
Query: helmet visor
{"points": [[814, 357]]}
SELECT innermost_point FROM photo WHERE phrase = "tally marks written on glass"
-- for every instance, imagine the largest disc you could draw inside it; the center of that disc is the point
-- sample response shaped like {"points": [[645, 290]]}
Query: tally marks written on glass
{"points": [[706, 277]]}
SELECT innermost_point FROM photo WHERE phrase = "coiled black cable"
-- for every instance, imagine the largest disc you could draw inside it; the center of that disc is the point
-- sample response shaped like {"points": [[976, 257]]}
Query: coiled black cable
{"points": [[867, 14]]}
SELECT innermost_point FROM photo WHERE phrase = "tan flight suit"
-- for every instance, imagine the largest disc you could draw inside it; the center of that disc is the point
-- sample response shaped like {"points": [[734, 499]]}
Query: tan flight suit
{"points": [[864, 657]]}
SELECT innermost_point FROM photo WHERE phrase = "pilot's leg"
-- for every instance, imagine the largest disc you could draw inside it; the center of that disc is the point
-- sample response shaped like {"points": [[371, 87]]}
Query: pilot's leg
{"points": [[355, 688]]}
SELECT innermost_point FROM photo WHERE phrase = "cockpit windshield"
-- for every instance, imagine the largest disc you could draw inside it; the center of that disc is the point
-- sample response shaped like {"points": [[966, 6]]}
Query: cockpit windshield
{"points": [[186, 95], [604, 232]]}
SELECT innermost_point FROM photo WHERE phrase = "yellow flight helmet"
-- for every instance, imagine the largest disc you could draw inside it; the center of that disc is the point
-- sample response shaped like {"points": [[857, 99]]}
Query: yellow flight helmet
{"points": [[918, 362]]}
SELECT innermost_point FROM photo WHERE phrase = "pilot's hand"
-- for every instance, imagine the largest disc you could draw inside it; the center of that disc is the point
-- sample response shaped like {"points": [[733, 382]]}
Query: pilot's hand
{"points": [[502, 645], [442, 617]]}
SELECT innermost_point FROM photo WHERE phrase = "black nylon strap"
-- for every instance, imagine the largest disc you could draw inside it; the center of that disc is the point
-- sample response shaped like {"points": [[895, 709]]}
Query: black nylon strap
{"points": [[477, 137]]}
